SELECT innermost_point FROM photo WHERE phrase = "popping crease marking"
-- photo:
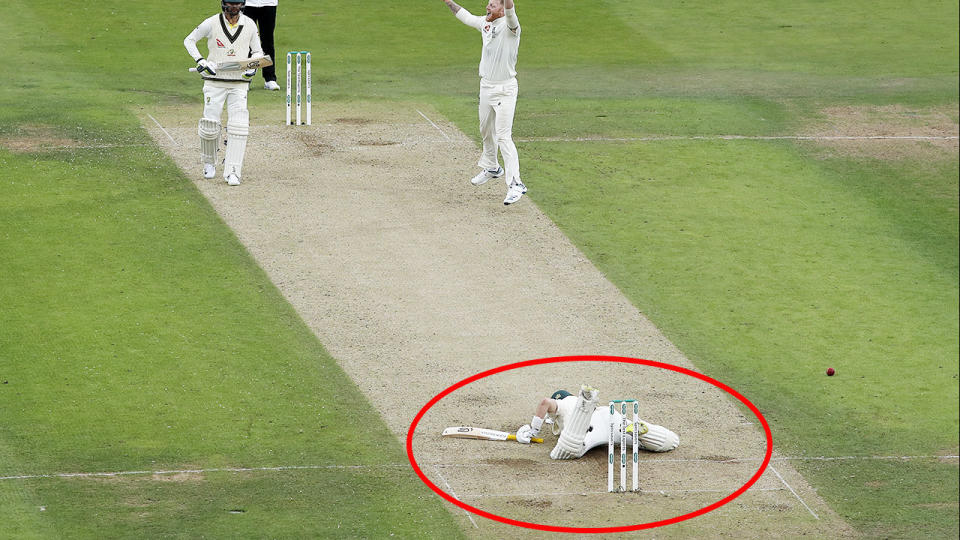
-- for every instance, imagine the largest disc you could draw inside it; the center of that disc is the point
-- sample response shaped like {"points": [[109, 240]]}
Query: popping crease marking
{"points": [[89, 146], [747, 138], [811, 458], [841, 458], [653, 491], [198, 471], [731, 460], [437, 466]]}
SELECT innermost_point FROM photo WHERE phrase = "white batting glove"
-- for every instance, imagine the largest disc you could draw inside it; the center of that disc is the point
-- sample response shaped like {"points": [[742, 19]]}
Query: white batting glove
{"points": [[247, 75], [204, 65], [528, 431]]}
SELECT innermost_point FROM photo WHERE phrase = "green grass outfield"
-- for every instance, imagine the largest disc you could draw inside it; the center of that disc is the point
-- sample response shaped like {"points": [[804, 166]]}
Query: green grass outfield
{"points": [[137, 334]]}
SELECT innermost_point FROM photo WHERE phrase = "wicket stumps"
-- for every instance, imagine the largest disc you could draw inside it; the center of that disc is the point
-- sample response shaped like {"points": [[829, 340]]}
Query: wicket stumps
{"points": [[623, 444], [301, 56]]}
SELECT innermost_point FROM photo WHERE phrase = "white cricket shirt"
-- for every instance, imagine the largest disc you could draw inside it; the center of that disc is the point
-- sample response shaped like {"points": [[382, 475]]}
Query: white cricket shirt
{"points": [[225, 43], [498, 59]]}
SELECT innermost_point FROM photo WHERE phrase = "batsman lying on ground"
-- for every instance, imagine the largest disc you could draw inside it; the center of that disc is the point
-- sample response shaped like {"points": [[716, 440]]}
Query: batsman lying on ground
{"points": [[582, 425]]}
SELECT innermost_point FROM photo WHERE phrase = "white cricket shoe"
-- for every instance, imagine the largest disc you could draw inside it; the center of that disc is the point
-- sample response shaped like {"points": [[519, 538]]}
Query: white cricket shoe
{"points": [[209, 171], [485, 175], [233, 180], [271, 85], [516, 190]]}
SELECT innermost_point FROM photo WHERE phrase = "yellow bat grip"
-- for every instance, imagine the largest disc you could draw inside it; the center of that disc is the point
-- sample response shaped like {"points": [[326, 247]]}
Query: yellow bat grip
{"points": [[512, 437]]}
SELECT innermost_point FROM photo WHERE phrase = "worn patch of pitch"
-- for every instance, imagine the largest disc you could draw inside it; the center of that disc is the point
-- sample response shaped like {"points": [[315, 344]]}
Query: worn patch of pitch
{"points": [[890, 132]]}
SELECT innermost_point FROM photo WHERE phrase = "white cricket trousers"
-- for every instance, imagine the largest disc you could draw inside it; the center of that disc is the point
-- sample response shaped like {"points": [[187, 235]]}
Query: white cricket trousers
{"points": [[498, 101], [215, 93]]}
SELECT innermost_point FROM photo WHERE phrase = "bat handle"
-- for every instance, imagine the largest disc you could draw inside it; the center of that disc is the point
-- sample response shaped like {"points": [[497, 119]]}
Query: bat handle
{"points": [[512, 437]]}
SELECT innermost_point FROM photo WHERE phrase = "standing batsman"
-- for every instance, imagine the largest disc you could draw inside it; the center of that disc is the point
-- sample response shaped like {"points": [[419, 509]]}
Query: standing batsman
{"points": [[230, 36], [500, 30]]}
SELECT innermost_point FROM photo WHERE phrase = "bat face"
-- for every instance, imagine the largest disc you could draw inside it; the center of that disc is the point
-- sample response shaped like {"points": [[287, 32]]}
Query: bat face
{"points": [[243, 65], [469, 432]]}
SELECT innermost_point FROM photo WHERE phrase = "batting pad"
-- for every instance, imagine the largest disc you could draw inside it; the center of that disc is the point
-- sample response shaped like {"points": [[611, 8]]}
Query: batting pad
{"points": [[570, 444], [659, 439], [209, 131], [238, 127]]}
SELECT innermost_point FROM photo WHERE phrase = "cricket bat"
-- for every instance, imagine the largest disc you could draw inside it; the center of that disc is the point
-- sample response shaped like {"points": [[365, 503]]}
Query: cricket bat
{"points": [[242, 65], [467, 432]]}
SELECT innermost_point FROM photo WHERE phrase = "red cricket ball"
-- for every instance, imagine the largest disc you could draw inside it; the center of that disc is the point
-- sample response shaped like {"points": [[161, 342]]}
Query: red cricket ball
{"points": [[830, 372]]}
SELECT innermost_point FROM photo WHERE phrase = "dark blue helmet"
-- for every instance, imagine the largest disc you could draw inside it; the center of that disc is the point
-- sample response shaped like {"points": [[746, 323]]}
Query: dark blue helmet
{"points": [[223, 5]]}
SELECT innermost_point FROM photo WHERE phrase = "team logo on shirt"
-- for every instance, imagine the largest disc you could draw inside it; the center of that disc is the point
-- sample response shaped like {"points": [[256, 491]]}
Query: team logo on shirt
{"points": [[220, 43]]}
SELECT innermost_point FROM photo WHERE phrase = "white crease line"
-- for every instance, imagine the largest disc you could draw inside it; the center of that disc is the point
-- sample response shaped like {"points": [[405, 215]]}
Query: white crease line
{"points": [[454, 494], [163, 130], [88, 146], [650, 491], [789, 458], [657, 460], [434, 125], [747, 138], [868, 137], [107, 145], [814, 514], [196, 471], [442, 465], [840, 458]]}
